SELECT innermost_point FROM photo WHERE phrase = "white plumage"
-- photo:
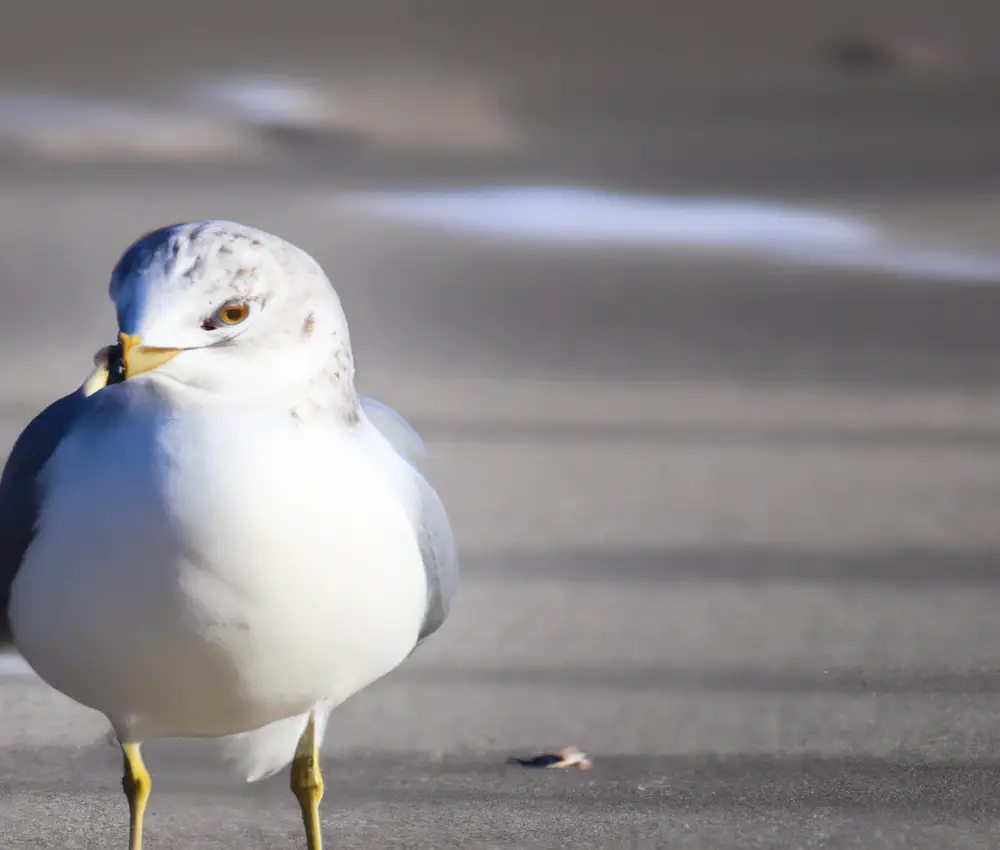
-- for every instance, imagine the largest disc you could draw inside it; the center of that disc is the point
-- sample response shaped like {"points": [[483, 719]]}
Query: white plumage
{"points": [[205, 573]]}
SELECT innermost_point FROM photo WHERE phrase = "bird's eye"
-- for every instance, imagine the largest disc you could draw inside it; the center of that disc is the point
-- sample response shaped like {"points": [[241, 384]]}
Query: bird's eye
{"points": [[227, 315], [233, 314]]}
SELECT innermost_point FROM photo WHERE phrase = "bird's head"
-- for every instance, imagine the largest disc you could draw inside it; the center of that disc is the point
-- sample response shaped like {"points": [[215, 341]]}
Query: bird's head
{"points": [[225, 308]]}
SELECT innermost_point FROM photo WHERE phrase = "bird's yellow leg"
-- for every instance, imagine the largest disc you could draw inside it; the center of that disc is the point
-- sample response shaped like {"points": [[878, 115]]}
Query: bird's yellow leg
{"points": [[137, 785], [307, 784]]}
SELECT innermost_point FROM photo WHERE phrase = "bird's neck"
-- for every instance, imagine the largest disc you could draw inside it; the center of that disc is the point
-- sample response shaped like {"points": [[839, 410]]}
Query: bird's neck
{"points": [[330, 395]]}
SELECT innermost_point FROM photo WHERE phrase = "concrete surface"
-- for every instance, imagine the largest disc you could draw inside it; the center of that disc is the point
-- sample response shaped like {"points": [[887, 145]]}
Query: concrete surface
{"points": [[729, 524]]}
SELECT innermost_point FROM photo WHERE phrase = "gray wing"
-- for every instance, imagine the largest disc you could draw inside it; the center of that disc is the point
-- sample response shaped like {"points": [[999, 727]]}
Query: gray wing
{"points": [[20, 492], [400, 433], [437, 542], [437, 545]]}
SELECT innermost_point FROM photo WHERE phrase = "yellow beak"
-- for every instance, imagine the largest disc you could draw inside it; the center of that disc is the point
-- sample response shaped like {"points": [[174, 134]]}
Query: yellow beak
{"points": [[141, 358]]}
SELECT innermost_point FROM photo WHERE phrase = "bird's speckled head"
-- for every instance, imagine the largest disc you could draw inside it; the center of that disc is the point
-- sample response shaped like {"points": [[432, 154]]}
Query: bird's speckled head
{"points": [[226, 308]]}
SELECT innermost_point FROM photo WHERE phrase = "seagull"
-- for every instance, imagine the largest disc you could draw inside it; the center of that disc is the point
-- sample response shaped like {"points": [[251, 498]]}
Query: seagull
{"points": [[215, 536]]}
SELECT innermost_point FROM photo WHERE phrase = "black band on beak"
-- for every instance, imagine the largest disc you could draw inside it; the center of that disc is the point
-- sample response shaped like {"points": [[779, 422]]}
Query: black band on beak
{"points": [[116, 365]]}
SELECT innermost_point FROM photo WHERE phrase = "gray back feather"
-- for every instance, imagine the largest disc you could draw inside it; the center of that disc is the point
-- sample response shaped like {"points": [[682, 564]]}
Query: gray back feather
{"points": [[20, 491], [437, 545], [437, 542]]}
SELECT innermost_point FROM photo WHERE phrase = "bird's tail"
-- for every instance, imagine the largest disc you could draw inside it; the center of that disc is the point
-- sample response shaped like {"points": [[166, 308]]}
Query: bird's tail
{"points": [[262, 752]]}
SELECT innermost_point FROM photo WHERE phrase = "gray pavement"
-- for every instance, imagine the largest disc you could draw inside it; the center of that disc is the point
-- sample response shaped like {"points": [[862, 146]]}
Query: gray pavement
{"points": [[729, 522]]}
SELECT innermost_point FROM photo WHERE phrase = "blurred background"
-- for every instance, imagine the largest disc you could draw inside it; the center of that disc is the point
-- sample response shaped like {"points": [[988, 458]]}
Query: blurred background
{"points": [[696, 304]]}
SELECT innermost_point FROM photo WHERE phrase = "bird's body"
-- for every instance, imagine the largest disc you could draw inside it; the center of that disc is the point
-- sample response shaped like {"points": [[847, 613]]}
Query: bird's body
{"points": [[202, 551], [263, 591]]}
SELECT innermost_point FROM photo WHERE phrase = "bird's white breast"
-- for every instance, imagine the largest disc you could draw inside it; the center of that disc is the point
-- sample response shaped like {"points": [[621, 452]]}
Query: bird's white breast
{"points": [[217, 570]]}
